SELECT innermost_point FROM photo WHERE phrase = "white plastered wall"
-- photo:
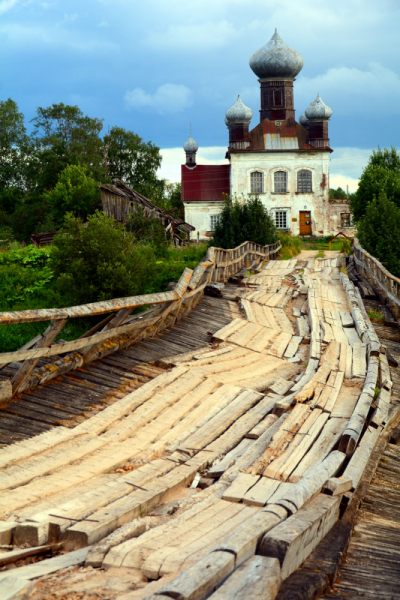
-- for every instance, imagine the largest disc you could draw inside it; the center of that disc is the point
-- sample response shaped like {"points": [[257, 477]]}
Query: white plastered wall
{"points": [[316, 202], [199, 215]]}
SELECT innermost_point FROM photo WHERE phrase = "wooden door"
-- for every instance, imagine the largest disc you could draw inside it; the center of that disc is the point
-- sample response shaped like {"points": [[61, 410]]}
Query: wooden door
{"points": [[305, 222]]}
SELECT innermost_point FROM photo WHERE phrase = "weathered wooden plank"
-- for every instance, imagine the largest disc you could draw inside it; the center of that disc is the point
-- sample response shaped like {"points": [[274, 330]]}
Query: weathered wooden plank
{"points": [[240, 487], [261, 492], [312, 482], [356, 466], [199, 580], [258, 578], [229, 460], [292, 541], [280, 344], [330, 435], [262, 426]]}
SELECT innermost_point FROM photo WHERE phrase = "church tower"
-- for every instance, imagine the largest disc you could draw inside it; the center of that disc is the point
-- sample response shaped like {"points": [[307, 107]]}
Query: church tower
{"points": [[276, 66]]}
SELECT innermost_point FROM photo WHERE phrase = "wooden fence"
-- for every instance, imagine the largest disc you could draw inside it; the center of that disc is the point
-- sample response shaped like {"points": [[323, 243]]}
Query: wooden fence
{"points": [[385, 283], [119, 329]]}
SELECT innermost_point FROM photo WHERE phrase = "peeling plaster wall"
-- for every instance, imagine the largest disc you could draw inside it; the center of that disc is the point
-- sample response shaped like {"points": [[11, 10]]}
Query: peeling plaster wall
{"points": [[335, 210], [199, 214], [291, 162]]}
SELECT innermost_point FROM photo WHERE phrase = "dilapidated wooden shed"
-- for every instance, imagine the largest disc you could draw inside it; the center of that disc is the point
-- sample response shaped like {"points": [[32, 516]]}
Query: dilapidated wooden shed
{"points": [[119, 200]]}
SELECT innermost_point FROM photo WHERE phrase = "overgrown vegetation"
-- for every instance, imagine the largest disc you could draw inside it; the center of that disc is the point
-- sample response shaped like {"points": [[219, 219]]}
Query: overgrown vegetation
{"points": [[375, 316], [291, 245], [244, 221], [30, 277]]}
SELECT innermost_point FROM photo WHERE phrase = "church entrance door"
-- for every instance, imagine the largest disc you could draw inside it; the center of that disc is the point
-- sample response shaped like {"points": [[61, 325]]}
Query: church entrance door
{"points": [[305, 222]]}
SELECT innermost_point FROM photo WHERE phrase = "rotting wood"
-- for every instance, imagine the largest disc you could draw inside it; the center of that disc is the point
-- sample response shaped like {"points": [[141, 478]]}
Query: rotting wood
{"points": [[258, 578]]}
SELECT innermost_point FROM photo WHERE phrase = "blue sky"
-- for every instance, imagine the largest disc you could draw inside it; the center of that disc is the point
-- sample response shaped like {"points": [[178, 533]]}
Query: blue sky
{"points": [[156, 66]]}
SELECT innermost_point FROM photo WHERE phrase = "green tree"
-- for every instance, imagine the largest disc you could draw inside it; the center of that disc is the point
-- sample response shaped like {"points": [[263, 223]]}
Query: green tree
{"points": [[129, 158], [338, 193], [65, 128], [244, 221], [99, 260], [14, 151], [378, 232], [382, 174], [75, 191]]}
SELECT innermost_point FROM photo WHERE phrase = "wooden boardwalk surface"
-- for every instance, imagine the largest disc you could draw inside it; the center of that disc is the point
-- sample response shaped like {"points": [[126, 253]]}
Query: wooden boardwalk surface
{"points": [[221, 451], [71, 398]]}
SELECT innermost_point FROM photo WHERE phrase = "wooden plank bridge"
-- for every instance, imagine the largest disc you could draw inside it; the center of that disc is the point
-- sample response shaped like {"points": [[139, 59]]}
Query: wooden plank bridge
{"points": [[221, 450]]}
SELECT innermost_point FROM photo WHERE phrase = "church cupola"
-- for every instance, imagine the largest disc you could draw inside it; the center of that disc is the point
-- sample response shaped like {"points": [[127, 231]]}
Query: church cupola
{"points": [[304, 121], [318, 115], [237, 119], [276, 65], [190, 147]]}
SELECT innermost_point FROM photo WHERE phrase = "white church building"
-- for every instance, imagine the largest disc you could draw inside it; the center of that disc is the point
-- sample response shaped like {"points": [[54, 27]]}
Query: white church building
{"points": [[284, 162]]}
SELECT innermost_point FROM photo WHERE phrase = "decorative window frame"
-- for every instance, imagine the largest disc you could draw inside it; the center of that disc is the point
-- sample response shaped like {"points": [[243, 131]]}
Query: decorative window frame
{"points": [[312, 171], [350, 225], [280, 209], [264, 177], [272, 179]]}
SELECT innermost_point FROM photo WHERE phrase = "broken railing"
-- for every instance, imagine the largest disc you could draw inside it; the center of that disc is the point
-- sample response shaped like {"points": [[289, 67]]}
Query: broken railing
{"points": [[386, 284], [118, 329]]}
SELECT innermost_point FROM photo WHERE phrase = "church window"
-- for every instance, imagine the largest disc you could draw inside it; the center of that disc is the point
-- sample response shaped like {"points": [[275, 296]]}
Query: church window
{"points": [[345, 220], [256, 182], [281, 219], [278, 98], [214, 220], [280, 182], [304, 182]]}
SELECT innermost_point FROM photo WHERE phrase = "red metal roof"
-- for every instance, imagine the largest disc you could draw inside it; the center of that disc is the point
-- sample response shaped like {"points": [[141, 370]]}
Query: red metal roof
{"points": [[205, 182]]}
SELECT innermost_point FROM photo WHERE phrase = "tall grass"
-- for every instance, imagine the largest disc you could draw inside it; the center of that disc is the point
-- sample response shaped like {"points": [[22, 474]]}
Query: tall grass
{"points": [[291, 245]]}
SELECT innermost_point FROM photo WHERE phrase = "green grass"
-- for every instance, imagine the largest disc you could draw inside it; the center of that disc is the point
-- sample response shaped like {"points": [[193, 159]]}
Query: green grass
{"points": [[376, 316], [27, 283], [320, 254]]}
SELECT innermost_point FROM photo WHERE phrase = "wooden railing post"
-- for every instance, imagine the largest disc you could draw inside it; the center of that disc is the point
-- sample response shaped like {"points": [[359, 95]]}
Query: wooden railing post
{"points": [[48, 337]]}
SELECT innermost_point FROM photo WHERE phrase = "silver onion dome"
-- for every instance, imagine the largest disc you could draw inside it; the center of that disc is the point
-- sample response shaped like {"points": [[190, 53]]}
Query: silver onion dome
{"points": [[318, 110], [190, 145], [238, 113], [276, 59], [303, 120]]}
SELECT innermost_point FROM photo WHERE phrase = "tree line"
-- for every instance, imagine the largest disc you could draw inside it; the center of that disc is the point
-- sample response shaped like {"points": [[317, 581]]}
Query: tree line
{"points": [[58, 167]]}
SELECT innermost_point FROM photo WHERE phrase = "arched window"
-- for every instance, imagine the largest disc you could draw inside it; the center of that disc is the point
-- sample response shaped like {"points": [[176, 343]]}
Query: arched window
{"points": [[304, 182], [256, 182], [280, 182]]}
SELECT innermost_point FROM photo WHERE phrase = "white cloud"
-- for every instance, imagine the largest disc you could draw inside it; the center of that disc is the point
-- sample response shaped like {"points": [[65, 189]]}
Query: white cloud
{"points": [[353, 91], [206, 35], [6, 5], [167, 99], [103, 24]]}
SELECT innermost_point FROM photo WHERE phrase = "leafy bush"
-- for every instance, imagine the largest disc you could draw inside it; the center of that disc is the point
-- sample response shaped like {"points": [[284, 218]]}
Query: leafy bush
{"points": [[100, 260], [76, 191], [244, 221], [346, 247], [379, 232]]}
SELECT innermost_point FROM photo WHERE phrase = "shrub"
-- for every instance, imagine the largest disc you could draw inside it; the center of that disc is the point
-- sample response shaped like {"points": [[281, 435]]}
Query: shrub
{"points": [[100, 260], [346, 247], [76, 191], [244, 221], [149, 230]]}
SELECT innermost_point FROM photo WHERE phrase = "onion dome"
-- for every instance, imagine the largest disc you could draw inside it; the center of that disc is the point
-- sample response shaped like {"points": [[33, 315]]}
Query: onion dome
{"points": [[190, 145], [318, 110], [238, 113], [303, 120], [276, 59]]}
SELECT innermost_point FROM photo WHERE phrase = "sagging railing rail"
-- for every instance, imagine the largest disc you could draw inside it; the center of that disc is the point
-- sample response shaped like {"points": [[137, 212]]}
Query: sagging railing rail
{"points": [[385, 283], [119, 329]]}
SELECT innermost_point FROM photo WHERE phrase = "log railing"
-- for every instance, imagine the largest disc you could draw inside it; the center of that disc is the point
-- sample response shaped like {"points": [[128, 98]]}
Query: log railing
{"points": [[386, 284], [119, 329]]}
